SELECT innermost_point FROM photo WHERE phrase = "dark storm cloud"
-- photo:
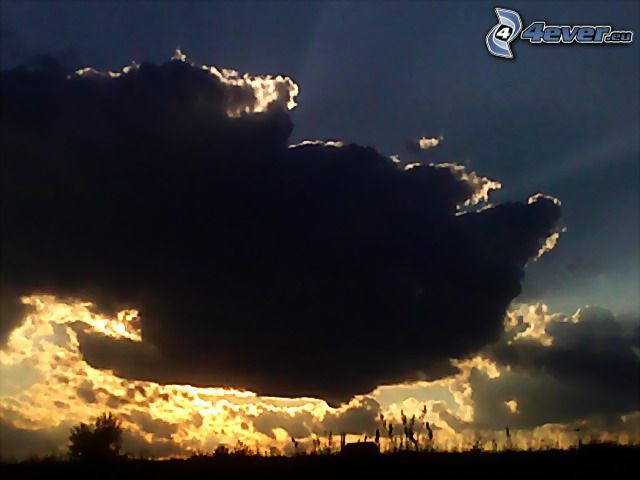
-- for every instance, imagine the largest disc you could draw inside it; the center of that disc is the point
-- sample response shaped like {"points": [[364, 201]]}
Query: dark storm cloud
{"points": [[314, 270], [299, 425], [137, 446], [358, 418], [158, 428], [589, 370], [18, 443]]}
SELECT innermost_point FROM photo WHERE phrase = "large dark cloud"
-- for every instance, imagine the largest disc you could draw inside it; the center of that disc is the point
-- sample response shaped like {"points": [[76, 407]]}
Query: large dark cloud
{"points": [[590, 369], [306, 271]]}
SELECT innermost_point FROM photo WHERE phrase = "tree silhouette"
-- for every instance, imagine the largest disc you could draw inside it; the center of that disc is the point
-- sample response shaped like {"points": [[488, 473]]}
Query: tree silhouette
{"points": [[99, 441]]}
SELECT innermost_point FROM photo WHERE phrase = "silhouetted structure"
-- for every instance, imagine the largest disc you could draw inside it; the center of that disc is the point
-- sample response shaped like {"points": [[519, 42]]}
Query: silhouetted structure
{"points": [[361, 449]]}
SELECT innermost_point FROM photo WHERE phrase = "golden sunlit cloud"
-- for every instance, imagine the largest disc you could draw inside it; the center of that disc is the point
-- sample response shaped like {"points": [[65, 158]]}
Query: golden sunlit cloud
{"points": [[265, 90], [64, 388], [551, 241], [426, 143], [530, 322], [45, 384], [512, 405], [480, 185], [323, 143]]}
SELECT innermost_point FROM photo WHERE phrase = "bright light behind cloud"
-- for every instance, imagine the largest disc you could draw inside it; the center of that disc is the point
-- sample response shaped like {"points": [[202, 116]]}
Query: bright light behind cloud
{"points": [[323, 143], [551, 241], [265, 90], [61, 388], [480, 185], [45, 384], [65, 388]]}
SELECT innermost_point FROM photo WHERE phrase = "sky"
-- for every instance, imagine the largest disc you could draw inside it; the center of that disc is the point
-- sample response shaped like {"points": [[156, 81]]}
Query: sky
{"points": [[560, 120]]}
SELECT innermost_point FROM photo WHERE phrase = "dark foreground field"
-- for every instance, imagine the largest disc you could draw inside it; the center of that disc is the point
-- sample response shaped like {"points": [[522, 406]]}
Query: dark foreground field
{"points": [[610, 461]]}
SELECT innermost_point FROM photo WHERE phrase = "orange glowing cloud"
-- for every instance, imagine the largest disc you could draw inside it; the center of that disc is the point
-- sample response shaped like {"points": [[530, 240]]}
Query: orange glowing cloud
{"points": [[47, 385]]}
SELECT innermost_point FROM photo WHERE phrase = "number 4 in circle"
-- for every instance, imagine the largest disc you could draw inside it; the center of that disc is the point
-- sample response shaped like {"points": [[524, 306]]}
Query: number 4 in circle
{"points": [[504, 33]]}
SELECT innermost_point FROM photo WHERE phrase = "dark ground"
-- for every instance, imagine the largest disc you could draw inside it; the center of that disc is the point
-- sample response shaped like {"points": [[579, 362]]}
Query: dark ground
{"points": [[584, 463]]}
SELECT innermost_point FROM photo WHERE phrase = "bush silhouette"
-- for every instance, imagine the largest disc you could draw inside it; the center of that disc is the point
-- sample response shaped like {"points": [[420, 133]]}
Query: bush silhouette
{"points": [[100, 441]]}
